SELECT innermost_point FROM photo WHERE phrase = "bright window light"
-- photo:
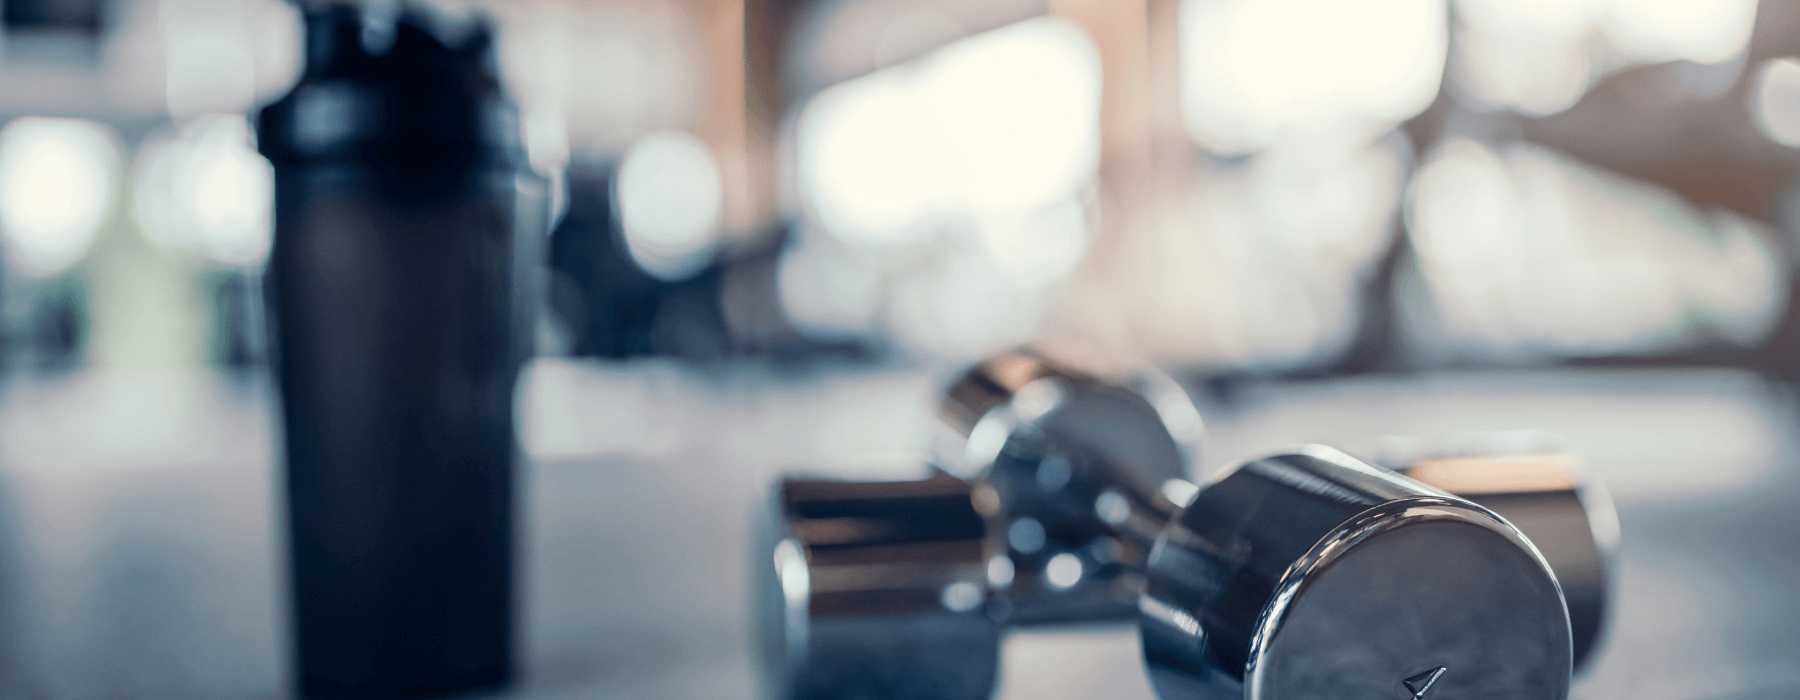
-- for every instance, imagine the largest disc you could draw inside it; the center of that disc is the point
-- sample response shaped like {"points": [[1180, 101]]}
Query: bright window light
{"points": [[1531, 72], [1544, 17], [1540, 56], [972, 159], [1703, 32], [56, 187], [670, 198], [1526, 252], [1003, 121], [1256, 70]]}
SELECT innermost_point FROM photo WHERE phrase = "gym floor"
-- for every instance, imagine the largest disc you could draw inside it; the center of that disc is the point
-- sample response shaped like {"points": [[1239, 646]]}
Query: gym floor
{"points": [[140, 541]]}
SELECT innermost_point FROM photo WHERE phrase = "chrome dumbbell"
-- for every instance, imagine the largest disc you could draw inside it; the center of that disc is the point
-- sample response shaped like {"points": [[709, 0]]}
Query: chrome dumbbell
{"points": [[903, 589], [1532, 480], [878, 590], [1305, 572], [1087, 465], [1310, 574], [1095, 468], [1098, 461]]}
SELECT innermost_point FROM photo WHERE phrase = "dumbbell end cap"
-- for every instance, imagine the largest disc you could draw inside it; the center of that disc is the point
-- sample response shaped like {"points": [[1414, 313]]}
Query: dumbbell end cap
{"points": [[1412, 593]]}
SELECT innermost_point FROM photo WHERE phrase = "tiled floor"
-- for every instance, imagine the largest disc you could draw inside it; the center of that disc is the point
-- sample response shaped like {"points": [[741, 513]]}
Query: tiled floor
{"points": [[138, 538]]}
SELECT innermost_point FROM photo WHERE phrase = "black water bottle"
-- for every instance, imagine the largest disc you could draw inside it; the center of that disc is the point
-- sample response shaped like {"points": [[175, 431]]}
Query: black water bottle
{"points": [[395, 289]]}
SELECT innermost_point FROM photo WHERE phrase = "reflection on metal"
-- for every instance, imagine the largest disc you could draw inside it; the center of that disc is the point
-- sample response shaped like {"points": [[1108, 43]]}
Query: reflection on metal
{"points": [[1421, 684], [1542, 491], [1312, 542], [879, 590], [1472, 476], [1081, 455], [1310, 574]]}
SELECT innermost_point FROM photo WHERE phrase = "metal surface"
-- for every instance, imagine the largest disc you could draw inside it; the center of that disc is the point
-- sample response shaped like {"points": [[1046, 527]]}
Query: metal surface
{"points": [[1093, 417], [1310, 574], [1087, 463], [877, 591], [1542, 490], [1124, 445]]}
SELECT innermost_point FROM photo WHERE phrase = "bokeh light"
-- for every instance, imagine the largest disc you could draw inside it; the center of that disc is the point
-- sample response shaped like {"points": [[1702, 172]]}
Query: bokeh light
{"points": [[1039, 248], [1002, 121], [57, 179], [224, 56], [955, 191], [1527, 55], [1526, 254], [669, 201], [828, 290], [958, 304], [585, 73], [1261, 266], [1540, 56], [1775, 104], [206, 191], [1063, 570], [1664, 30], [1253, 71]]}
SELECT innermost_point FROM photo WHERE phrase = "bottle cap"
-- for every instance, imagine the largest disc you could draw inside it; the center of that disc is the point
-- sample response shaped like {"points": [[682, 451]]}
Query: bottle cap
{"points": [[393, 85]]}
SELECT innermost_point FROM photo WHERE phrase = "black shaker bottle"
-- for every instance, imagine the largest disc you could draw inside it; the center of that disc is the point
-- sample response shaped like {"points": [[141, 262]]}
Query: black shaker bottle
{"points": [[402, 213]]}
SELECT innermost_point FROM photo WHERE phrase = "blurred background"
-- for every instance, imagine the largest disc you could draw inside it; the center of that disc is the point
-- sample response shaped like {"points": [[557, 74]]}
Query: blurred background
{"points": [[779, 226]]}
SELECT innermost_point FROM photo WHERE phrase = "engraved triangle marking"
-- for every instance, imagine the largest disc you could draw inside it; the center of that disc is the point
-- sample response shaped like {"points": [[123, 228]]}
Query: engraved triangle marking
{"points": [[1420, 684]]}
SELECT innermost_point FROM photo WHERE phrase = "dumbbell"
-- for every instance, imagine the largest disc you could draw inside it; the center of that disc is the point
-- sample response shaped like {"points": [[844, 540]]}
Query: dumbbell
{"points": [[1532, 479], [903, 589], [1119, 481], [1310, 574], [1097, 460], [1088, 457], [1288, 565], [878, 590]]}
